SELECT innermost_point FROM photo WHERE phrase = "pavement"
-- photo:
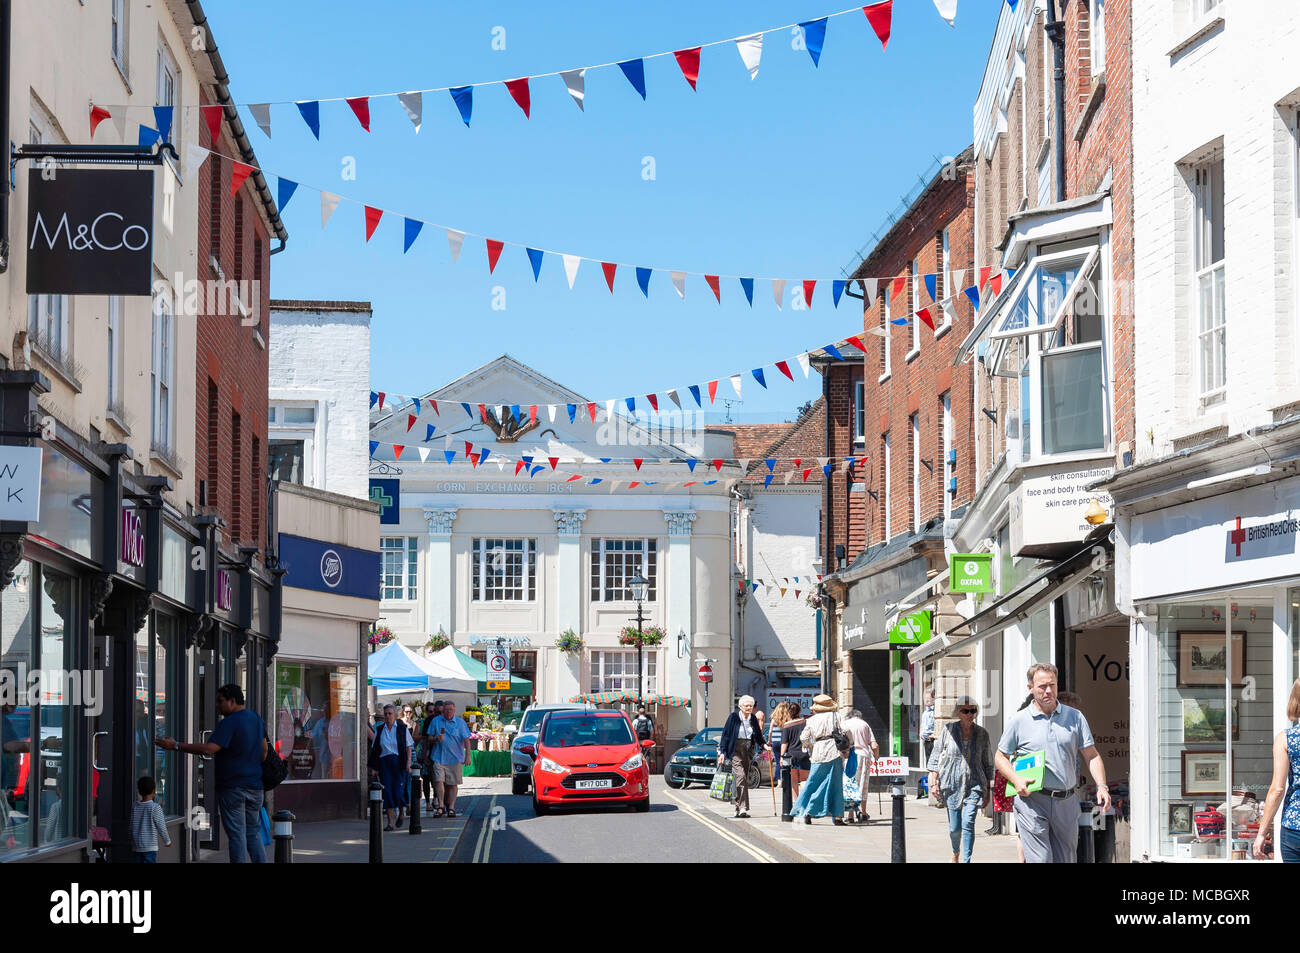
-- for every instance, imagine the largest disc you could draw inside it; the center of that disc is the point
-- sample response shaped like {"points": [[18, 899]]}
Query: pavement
{"points": [[348, 841], [926, 830]]}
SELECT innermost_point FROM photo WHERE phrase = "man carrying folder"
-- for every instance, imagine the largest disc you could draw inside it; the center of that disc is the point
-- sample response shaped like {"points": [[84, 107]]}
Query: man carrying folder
{"points": [[1047, 739]]}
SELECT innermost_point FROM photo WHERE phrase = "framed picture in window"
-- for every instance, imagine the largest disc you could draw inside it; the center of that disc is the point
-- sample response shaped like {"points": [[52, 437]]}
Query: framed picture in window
{"points": [[1180, 817], [1204, 773], [1203, 659]]}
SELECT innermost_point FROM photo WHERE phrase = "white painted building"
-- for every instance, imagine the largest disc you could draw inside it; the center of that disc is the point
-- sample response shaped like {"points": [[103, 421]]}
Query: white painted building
{"points": [[1206, 556], [319, 387], [477, 551]]}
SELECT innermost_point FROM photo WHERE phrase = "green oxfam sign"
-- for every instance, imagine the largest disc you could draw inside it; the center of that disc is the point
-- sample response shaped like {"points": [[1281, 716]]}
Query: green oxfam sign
{"points": [[911, 630], [970, 572]]}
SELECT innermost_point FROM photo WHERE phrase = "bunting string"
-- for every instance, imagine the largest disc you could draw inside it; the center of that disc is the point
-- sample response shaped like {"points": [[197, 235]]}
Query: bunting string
{"points": [[810, 32]]}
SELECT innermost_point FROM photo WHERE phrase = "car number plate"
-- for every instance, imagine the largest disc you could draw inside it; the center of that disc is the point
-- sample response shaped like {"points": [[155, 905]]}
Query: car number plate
{"points": [[704, 769], [587, 785]]}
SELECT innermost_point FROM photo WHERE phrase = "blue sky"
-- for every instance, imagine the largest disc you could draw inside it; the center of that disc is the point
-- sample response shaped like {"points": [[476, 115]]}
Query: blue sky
{"points": [[787, 175]]}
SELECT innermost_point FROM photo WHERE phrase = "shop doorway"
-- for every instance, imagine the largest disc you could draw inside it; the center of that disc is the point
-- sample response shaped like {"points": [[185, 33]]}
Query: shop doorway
{"points": [[205, 829], [1099, 675]]}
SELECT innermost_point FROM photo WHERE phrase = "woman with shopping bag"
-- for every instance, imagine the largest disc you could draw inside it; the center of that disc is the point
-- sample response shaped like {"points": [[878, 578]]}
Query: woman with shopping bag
{"points": [[822, 795], [742, 738]]}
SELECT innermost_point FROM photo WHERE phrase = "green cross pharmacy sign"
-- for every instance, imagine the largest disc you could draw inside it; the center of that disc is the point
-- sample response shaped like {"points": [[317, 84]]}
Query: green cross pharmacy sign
{"points": [[911, 630], [970, 572]]}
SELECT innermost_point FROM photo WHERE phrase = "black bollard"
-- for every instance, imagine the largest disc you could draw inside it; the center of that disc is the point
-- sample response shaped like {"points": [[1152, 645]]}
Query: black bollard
{"points": [[283, 837], [376, 822], [898, 846], [786, 800], [413, 825]]}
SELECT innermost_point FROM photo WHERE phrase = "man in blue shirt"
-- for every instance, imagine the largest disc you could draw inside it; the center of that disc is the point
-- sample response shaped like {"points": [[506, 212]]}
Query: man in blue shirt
{"points": [[1048, 820], [449, 735], [238, 748]]}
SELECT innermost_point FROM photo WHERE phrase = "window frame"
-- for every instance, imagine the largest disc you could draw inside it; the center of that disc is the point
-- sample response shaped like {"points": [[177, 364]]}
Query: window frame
{"points": [[1203, 229], [409, 571], [626, 676], [308, 434], [949, 467], [119, 35], [914, 307], [886, 452], [113, 324], [480, 591], [56, 345], [915, 424], [1028, 273], [1097, 37], [886, 326], [859, 413], [599, 585], [162, 372]]}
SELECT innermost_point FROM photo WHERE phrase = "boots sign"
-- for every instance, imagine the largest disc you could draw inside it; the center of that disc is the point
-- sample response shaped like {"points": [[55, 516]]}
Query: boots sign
{"points": [[90, 231]]}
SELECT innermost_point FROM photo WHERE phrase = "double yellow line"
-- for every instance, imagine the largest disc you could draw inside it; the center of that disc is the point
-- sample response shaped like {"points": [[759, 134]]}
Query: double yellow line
{"points": [[483, 849], [761, 856]]}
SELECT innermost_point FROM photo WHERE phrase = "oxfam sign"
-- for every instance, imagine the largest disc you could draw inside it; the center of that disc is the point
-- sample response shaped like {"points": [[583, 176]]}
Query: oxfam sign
{"points": [[970, 572], [911, 630]]}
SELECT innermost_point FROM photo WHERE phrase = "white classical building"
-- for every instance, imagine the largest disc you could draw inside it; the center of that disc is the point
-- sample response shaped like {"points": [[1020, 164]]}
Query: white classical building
{"points": [[319, 416], [1207, 563], [480, 550]]}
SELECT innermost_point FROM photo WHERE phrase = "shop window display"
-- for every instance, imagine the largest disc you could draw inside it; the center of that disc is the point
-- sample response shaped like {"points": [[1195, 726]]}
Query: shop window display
{"points": [[315, 720], [1215, 726]]}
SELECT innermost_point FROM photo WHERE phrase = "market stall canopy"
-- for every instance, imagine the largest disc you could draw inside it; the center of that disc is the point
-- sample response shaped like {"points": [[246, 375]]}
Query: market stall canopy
{"points": [[604, 698], [395, 668], [453, 658], [669, 701]]}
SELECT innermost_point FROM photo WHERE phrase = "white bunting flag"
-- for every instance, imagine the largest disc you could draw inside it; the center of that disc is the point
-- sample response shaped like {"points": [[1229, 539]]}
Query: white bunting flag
{"points": [[609, 410], [679, 282], [501, 413], [778, 291], [947, 9], [550, 412], [195, 156], [571, 268], [735, 384], [751, 51], [869, 288], [119, 123], [949, 310], [957, 277], [788, 474], [803, 362], [424, 454], [446, 441], [262, 116], [575, 81], [844, 467], [455, 240], [413, 103], [501, 464], [822, 461], [328, 203], [743, 464], [616, 484], [672, 395]]}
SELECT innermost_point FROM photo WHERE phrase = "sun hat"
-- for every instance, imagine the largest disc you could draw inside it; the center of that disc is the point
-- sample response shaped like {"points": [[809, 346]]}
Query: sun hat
{"points": [[823, 703]]}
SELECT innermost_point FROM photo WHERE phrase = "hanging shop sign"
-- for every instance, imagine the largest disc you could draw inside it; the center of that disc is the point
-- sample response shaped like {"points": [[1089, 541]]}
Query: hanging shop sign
{"points": [[910, 630], [20, 483], [329, 567], [970, 572], [498, 669], [1049, 511], [225, 591], [388, 494], [90, 231], [132, 538]]}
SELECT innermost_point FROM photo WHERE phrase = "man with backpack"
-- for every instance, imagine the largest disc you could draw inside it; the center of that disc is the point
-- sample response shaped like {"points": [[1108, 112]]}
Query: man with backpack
{"points": [[238, 749]]}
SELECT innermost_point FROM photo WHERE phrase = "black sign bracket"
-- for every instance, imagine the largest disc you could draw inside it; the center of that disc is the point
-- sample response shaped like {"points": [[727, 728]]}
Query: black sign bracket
{"points": [[93, 155]]}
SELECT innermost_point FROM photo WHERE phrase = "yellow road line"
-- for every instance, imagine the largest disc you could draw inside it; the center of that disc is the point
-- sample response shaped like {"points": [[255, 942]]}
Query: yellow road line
{"points": [[487, 821], [761, 856]]}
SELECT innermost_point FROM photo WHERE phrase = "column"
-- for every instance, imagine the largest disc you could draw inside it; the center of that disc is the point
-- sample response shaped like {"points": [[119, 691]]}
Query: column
{"points": [[678, 676], [438, 577], [568, 598]]}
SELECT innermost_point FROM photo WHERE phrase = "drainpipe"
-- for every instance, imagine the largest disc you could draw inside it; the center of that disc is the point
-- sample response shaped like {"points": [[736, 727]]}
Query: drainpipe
{"points": [[6, 14], [1055, 30]]}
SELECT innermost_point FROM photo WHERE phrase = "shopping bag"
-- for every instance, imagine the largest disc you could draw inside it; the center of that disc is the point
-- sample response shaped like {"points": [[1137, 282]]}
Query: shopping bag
{"points": [[723, 786]]}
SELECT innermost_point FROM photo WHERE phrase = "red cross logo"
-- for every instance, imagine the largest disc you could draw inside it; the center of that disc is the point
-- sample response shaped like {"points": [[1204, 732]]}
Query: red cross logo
{"points": [[1237, 536]]}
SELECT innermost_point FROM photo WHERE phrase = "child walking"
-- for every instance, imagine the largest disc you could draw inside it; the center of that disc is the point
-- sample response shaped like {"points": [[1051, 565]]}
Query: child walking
{"points": [[147, 824]]}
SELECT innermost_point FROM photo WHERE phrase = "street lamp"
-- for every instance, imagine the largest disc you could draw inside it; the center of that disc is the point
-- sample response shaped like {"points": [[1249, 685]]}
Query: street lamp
{"points": [[639, 588]]}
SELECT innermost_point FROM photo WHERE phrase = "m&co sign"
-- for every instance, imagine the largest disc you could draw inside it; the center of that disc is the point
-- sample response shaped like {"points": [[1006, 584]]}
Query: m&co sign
{"points": [[225, 591], [132, 547], [90, 231]]}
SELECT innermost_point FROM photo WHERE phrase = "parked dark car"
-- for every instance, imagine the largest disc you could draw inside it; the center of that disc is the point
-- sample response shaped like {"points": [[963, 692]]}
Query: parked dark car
{"points": [[697, 761]]}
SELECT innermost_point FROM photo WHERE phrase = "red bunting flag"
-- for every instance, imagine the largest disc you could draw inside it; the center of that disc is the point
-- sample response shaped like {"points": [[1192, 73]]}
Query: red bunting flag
{"points": [[633, 485], [608, 267], [435, 406], [713, 391], [361, 106], [410, 421], [879, 16], [97, 115], [808, 287], [397, 451], [482, 412], [638, 463], [712, 282], [238, 173], [381, 400], [519, 92], [473, 460], [984, 277], [689, 61], [784, 368], [373, 215], [532, 413], [857, 342], [212, 116], [654, 401], [494, 252], [552, 461], [576, 476], [798, 460], [519, 465], [995, 284], [924, 315], [692, 483], [805, 479], [591, 409], [469, 447], [900, 283], [717, 466]]}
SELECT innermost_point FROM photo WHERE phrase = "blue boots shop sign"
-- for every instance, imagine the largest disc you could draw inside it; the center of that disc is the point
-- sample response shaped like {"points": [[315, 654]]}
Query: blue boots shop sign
{"points": [[90, 231]]}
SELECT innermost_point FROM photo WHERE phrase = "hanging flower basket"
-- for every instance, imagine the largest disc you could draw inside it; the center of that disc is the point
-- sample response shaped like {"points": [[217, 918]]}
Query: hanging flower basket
{"points": [[569, 641], [380, 635], [437, 642], [650, 635]]}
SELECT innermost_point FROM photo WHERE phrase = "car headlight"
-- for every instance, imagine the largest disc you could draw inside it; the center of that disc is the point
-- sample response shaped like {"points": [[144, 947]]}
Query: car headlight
{"points": [[681, 759], [632, 763], [550, 767]]}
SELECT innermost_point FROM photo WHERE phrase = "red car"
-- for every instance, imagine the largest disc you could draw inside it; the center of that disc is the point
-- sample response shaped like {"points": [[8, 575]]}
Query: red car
{"points": [[589, 757]]}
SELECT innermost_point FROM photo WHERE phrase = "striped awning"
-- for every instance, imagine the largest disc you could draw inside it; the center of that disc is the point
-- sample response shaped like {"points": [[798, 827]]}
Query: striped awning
{"points": [[605, 698], [669, 701]]}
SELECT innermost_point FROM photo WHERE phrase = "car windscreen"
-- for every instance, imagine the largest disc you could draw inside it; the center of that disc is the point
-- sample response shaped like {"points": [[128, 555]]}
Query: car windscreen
{"points": [[709, 736], [573, 732], [532, 720]]}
